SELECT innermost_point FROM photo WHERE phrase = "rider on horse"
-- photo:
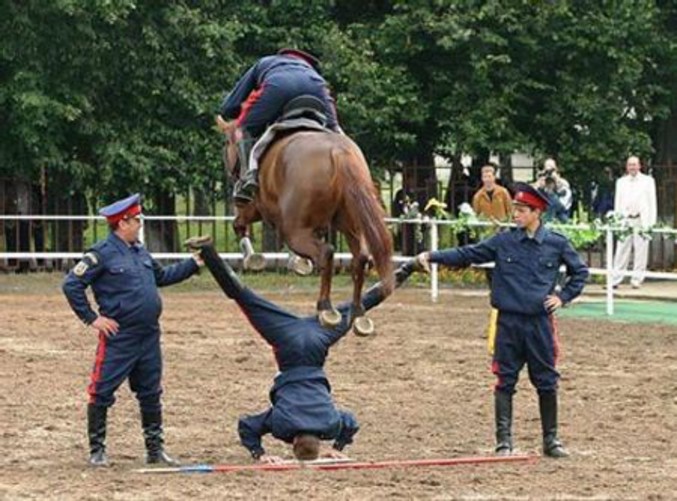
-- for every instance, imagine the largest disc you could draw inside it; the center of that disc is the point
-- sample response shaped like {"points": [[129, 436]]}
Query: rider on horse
{"points": [[259, 97]]}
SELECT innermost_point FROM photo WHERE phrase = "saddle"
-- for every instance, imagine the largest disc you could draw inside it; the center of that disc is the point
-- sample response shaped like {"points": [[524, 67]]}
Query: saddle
{"points": [[304, 106], [301, 113]]}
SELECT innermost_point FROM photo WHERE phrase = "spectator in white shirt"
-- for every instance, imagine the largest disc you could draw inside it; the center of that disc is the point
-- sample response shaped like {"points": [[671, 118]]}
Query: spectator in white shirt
{"points": [[635, 200]]}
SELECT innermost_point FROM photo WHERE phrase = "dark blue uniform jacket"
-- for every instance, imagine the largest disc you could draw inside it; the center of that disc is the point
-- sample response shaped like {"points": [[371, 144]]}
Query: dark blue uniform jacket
{"points": [[124, 280], [526, 269], [285, 76]]}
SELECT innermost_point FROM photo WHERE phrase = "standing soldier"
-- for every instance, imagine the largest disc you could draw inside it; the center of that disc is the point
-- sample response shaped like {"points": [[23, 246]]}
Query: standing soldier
{"points": [[523, 290], [124, 278]]}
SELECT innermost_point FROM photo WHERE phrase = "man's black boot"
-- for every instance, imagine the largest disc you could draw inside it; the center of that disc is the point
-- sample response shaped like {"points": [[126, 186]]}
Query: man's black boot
{"points": [[503, 410], [247, 185], [96, 431], [552, 447], [153, 437]]}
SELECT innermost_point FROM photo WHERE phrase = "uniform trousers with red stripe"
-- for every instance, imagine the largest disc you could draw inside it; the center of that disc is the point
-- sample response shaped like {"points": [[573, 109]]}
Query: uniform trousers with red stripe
{"points": [[526, 339], [133, 356]]}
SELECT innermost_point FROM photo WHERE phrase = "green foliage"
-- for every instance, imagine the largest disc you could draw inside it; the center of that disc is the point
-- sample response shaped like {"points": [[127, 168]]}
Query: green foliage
{"points": [[120, 95]]}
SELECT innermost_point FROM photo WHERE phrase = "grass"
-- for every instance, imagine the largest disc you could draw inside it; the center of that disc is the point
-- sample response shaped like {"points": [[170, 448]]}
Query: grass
{"points": [[626, 311], [48, 283]]}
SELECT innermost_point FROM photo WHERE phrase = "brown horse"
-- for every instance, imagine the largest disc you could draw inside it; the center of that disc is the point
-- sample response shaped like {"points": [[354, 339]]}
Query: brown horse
{"points": [[309, 181]]}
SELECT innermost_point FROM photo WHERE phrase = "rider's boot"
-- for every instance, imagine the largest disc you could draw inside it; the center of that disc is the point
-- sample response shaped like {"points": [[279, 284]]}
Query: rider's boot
{"points": [[247, 185]]}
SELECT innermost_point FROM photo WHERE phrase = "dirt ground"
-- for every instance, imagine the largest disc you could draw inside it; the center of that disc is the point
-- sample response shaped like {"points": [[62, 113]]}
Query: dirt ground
{"points": [[421, 388]]}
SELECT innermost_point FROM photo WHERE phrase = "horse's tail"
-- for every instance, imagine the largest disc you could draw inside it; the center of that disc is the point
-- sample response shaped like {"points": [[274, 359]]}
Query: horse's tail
{"points": [[363, 207]]}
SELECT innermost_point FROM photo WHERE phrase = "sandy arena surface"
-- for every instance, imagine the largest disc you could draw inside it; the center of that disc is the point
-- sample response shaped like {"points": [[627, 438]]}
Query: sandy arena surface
{"points": [[421, 388]]}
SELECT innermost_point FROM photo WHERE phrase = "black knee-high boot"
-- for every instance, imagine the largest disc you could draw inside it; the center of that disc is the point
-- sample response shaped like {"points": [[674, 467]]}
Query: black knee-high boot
{"points": [[503, 410], [96, 431], [245, 188], [547, 403], [154, 440]]}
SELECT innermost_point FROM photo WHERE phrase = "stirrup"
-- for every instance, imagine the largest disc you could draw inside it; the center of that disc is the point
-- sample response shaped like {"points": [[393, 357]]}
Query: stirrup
{"points": [[245, 189], [243, 196], [250, 178]]}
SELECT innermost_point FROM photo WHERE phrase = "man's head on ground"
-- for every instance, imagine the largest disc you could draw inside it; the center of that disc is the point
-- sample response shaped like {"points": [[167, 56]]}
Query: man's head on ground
{"points": [[306, 447]]}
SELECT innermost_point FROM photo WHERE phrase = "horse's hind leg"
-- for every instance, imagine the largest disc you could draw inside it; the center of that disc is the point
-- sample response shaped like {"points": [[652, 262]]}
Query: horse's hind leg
{"points": [[307, 244], [362, 325]]}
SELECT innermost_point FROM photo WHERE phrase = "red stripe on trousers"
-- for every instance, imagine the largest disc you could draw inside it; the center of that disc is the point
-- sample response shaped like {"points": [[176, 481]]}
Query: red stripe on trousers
{"points": [[98, 365], [247, 105], [495, 371], [555, 337]]}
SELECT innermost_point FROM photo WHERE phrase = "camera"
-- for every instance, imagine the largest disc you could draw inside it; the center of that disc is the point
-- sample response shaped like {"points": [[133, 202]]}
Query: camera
{"points": [[548, 174]]}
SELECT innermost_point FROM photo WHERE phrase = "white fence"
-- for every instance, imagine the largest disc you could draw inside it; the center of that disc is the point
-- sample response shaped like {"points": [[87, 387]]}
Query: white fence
{"points": [[432, 224]]}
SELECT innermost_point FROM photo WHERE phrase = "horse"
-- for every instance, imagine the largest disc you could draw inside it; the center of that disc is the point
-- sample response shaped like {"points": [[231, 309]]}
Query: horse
{"points": [[311, 181]]}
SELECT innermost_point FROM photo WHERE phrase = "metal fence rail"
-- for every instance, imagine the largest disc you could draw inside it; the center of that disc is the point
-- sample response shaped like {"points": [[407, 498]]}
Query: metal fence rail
{"points": [[428, 226]]}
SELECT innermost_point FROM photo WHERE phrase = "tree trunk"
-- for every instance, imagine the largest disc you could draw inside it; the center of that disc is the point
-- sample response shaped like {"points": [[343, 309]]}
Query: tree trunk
{"points": [[665, 143], [201, 203], [162, 236]]}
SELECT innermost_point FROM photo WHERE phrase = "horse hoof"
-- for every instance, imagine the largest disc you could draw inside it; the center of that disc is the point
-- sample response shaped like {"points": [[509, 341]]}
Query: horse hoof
{"points": [[363, 326], [255, 262], [301, 265], [330, 318]]}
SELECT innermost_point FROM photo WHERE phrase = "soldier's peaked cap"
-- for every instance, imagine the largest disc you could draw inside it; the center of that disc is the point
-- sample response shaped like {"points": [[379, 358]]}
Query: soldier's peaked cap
{"points": [[127, 207], [525, 194]]}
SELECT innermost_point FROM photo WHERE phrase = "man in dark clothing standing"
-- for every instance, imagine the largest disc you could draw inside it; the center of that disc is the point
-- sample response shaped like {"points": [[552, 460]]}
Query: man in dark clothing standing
{"points": [[124, 278], [524, 291], [259, 97], [303, 412]]}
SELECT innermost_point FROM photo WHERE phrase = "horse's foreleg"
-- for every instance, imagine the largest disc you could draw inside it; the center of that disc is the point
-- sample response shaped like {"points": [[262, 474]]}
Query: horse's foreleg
{"points": [[251, 260]]}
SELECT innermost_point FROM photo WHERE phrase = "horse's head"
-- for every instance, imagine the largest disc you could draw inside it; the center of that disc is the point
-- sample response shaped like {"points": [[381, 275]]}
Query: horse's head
{"points": [[232, 134]]}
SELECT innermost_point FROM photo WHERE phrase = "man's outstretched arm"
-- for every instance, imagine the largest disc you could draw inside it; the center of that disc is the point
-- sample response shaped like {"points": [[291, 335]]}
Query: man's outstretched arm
{"points": [[251, 429], [349, 428], [375, 295]]}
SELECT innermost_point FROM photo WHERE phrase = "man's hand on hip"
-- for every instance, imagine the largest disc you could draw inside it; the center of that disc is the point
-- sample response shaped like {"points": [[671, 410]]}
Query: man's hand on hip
{"points": [[552, 303], [108, 326]]}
